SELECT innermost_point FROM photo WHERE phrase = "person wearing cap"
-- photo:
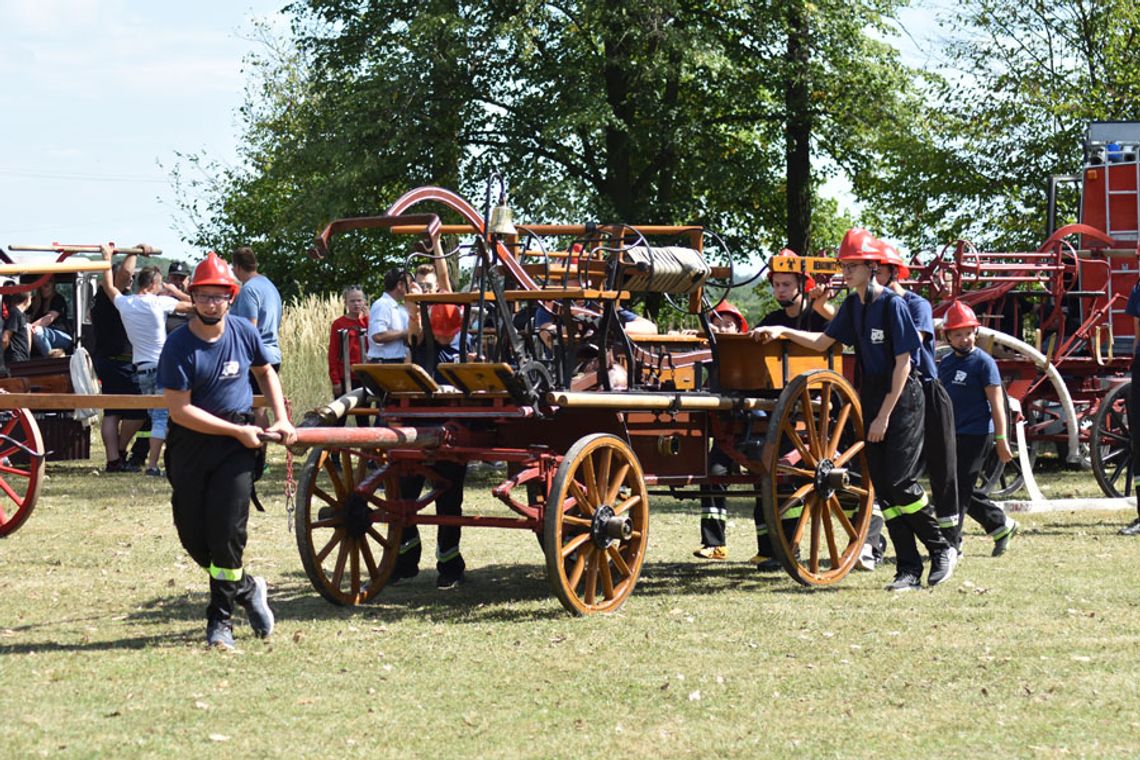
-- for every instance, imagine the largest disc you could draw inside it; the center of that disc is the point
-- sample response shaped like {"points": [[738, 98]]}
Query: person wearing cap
{"points": [[724, 318], [939, 447], [176, 275], [144, 319], [213, 444], [877, 324], [971, 377]]}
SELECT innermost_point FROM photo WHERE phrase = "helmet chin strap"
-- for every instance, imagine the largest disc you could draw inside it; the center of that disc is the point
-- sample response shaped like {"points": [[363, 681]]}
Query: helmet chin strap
{"points": [[208, 321], [871, 291]]}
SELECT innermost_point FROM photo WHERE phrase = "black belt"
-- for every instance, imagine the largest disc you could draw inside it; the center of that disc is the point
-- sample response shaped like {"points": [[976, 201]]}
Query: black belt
{"points": [[238, 418]]}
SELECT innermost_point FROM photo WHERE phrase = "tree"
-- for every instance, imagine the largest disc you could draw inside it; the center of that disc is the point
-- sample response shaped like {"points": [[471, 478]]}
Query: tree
{"points": [[1021, 83], [664, 111]]}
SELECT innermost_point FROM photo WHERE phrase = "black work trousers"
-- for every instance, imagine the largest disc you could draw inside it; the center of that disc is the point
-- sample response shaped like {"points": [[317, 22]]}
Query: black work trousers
{"points": [[212, 477], [448, 558], [714, 512], [972, 452], [939, 449], [1134, 424], [895, 463]]}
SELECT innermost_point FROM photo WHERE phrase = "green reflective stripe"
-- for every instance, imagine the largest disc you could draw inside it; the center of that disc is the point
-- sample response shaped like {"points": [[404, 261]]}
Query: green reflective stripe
{"points": [[947, 522], [1001, 532], [876, 509], [225, 573], [448, 555], [410, 544], [761, 529], [714, 513], [891, 513]]}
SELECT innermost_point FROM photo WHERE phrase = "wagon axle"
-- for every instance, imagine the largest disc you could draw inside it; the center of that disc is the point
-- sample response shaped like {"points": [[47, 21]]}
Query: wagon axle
{"points": [[828, 478], [607, 527]]}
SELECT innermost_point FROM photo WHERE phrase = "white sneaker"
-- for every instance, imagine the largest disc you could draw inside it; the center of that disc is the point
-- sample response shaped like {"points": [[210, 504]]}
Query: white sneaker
{"points": [[866, 561]]}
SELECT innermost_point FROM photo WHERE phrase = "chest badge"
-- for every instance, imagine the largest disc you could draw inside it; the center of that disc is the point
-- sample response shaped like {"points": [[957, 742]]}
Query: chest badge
{"points": [[877, 335], [230, 369]]}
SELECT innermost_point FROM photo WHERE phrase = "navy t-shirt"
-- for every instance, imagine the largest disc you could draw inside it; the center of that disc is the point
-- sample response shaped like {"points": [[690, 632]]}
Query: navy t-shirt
{"points": [[966, 378], [813, 321], [878, 332], [216, 374], [923, 317]]}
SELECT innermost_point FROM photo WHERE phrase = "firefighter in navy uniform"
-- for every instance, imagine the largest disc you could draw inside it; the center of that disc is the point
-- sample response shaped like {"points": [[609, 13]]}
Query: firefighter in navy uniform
{"points": [[211, 450], [939, 448], [971, 377], [876, 322], [1133, 310]]}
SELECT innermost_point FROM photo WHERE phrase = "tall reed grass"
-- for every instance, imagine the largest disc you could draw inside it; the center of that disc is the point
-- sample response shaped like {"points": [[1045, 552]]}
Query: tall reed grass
{"points": [[304, 337]]}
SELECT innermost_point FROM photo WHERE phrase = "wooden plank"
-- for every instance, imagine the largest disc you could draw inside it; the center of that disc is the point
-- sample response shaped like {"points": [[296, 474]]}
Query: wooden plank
{"points": [[469, 377], [398, 378], [54, 267]]}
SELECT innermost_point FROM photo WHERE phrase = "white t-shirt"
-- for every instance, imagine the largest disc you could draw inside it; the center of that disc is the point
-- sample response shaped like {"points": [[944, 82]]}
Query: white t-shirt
{"points": [[387, 314], [144, 319]]}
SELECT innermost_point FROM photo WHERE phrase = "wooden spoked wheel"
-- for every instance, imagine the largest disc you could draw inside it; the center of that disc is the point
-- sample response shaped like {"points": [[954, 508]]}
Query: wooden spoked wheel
{"points": [[21, 468], [596, 525], [347, 543], [1110, 444], [817, 493]]}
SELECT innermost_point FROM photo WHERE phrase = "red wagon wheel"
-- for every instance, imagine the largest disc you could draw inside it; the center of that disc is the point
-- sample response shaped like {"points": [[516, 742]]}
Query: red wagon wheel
{"points": [[21, 467], [596, 525], [348, 547], [817, 494]]}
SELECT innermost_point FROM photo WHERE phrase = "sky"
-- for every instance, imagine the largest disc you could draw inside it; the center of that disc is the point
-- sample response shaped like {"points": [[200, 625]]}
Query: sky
{"points": [[98, 96]]}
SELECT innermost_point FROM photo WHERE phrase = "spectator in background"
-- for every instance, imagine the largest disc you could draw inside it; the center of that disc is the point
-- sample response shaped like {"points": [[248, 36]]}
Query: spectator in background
{"points": [[115, 370], [48, 318], [176, 276], [260, 303], [144, 318], [388, 321], [354, 325], [17, 332]]}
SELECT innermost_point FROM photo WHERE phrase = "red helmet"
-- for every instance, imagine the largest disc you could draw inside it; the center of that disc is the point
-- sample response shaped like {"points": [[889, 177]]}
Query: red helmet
{"points": [[215, 271], [891, 256], [809, 282], [860, 245], [959, 315], [446, 321], [728, 309]]}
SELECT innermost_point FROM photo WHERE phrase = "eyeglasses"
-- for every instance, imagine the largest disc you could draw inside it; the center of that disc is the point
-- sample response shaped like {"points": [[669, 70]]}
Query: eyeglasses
{"points": [[210, 298]]}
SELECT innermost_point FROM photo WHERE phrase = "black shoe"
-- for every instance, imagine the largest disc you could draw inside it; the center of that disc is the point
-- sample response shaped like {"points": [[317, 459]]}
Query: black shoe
{"points": [[447, 580], [905, 581], [1132, 528], [941, 567], [1003, 543], [403, 573]]}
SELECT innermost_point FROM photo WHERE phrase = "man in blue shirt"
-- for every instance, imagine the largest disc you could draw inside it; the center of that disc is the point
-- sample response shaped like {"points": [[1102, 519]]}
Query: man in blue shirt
{"points": [[1133, 310], [876, 323], [212, 446], [260, 303], [939, 447], [971, 378]]}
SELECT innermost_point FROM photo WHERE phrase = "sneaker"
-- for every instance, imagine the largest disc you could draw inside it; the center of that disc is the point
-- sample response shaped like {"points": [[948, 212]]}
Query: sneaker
{"points": [[941, 566], [154, 472], [119, 466], [904, 581], [447, 580], [766, 564], [866, 561], [219, 634], [257, 608], [1131, 529], [711, 552], [1003, 543]]}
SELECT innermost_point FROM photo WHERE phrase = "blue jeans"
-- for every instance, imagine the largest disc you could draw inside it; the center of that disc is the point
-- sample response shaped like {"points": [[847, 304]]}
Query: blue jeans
{"points": [[48, 338], [147, 377]]}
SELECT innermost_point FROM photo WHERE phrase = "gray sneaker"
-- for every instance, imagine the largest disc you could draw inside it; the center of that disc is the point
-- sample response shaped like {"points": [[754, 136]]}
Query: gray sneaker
{"points": [[1132, 528], [905, 581], [941, 566], [257, 608], [219, 634], [1003, 543]]}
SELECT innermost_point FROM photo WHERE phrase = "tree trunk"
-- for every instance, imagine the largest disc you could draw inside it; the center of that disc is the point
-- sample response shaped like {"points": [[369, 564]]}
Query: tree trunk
{"points": [[797, 130]]}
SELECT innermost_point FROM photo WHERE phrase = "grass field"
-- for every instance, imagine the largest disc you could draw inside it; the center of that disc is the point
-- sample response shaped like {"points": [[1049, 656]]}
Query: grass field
{"points": [[101, 648]]}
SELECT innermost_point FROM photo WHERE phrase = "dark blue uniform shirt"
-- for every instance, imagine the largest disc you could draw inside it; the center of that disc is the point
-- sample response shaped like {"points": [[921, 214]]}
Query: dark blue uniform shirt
{"points": [[879, 332], [923, 317], [216, 374], [965, 379]]}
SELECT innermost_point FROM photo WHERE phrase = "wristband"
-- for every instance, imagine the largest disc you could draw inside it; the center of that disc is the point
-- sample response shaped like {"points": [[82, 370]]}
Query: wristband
{"points": [[999, 437]]}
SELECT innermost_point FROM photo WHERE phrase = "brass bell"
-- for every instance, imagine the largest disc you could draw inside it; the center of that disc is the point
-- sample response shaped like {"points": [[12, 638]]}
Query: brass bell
{"points": [[502, 220]]}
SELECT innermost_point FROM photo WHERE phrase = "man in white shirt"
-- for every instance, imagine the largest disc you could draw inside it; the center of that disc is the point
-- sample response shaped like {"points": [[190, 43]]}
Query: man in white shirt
{"points": [[388, 322], [144, 319]]}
